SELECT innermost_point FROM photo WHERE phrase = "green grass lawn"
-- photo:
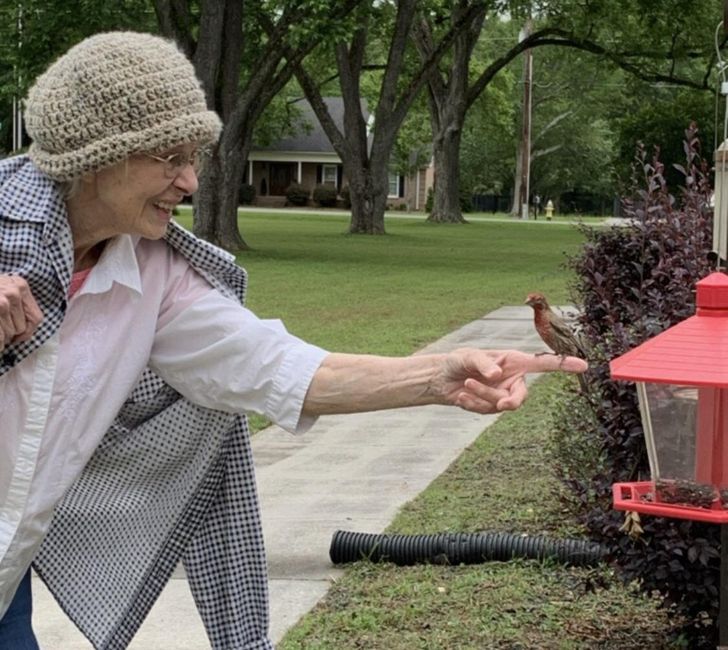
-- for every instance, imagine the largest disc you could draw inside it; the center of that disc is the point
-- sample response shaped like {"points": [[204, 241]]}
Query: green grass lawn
{"points": [[392, 294]]}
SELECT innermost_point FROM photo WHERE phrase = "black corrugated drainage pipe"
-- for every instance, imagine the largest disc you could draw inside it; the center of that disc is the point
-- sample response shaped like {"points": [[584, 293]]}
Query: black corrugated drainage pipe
{"points": [[461, 548]]}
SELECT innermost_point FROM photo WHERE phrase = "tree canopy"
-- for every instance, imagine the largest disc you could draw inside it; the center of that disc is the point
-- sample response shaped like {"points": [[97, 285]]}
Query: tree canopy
{"points": [[441, 78]]}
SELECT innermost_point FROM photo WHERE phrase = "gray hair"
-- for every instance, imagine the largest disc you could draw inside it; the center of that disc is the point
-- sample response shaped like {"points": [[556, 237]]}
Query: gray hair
{"points": [[69, 188]]}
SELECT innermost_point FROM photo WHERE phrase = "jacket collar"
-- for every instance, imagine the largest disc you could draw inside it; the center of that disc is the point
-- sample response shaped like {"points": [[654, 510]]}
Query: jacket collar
{"points": [[118, 264], [26, 193]]}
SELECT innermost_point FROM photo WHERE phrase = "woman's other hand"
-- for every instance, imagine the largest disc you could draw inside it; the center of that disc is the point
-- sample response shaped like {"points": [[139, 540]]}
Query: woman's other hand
{"points": [[19, 312]]}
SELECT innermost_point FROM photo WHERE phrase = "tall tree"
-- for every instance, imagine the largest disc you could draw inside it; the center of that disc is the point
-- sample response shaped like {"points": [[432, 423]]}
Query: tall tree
{"points": [[657, 116], [446, 100], [366, 161], [571, 146], [242, 68], [650, 45]]}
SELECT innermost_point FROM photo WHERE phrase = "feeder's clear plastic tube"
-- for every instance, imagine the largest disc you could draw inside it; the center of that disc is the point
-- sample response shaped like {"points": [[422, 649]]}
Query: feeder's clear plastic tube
{"points": [[649, 434]]}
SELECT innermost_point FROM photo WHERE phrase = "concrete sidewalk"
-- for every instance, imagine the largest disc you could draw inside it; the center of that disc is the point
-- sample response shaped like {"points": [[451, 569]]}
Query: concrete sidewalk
{"points": [[351, 472]]}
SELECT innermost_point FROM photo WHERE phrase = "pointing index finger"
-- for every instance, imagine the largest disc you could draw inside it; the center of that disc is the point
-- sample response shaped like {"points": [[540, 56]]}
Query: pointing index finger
{"points": [[554, 362]]}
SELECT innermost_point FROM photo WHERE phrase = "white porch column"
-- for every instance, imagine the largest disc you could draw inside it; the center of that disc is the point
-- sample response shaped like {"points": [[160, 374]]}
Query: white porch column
{"points": [[298, 172], [250, 172]]}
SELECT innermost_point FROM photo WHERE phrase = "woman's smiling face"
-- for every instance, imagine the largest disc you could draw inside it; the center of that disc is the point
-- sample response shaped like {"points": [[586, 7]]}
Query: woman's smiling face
{"points": [[137, 195]]}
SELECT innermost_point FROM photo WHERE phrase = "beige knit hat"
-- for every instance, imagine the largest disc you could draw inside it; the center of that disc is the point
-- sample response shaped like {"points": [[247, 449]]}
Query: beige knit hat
{"points": [[113, 95]]}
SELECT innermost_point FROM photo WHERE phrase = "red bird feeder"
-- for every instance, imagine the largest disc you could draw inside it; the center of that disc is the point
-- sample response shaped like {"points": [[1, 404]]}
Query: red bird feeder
{"points": [[682, 387]]}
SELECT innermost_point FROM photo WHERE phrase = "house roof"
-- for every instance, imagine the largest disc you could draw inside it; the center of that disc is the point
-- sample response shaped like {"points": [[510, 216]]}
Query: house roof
{"points": [[311, 137]]}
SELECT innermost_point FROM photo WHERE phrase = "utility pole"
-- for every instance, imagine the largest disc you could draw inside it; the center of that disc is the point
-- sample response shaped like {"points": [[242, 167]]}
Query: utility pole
{"points": [[523, 199]]}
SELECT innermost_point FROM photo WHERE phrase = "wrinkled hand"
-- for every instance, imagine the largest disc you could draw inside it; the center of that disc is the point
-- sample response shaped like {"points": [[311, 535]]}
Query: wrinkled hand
{"points": [[489, 381], [19, 312]]}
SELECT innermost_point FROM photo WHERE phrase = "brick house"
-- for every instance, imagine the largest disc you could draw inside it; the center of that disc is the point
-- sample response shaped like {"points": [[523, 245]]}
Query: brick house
{"points": [[308, 158]]}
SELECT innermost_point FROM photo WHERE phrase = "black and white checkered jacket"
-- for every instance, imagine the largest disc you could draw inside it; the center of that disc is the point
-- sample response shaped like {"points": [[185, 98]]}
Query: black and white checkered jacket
{"points": [[170, 481]]}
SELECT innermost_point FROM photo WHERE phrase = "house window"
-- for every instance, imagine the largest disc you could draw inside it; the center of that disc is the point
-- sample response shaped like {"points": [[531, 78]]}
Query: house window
{"points": [[396, 185], [329, 174]]}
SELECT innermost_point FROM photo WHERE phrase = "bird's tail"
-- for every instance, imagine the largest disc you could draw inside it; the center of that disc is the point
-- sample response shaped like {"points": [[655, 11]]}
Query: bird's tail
{"points": [[583, 384]]}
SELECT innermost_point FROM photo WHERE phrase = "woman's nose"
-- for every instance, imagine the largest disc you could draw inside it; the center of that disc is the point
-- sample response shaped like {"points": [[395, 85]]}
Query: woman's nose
{"points": [[186, 180]]}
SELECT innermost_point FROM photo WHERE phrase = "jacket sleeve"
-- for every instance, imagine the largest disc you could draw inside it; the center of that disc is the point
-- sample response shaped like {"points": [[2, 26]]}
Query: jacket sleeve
{"points": [[220, 355]]}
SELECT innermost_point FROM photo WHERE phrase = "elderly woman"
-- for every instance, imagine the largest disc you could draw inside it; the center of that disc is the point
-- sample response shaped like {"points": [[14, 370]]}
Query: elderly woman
{"points": [[127, 361]]}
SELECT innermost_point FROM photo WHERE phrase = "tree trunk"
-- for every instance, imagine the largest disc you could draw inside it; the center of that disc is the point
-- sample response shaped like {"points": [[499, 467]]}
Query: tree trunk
{"points": [[516, 204], [448, 103], [446, 193], [368, 201], [368, 171], [229, 186], [216, 202], [205, 205], [217, 58], [216, 213]]}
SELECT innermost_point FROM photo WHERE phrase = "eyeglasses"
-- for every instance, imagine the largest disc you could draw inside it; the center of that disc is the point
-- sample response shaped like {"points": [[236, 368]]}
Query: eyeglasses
{"points": [[175, 163]]}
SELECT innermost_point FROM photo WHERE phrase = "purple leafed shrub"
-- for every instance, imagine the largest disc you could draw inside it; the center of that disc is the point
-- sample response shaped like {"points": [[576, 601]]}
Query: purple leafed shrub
{"points": [[634, 281]]}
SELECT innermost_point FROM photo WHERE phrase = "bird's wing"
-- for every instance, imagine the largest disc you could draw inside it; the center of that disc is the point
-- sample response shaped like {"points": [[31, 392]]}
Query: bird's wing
{"points": [[567, 333]]}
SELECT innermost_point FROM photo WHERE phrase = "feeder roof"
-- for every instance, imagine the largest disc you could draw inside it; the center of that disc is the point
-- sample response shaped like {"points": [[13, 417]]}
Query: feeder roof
{"points": [[693, 352]]}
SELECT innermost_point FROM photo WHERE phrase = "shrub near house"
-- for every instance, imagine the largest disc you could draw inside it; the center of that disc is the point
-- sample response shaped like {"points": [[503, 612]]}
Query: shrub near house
{"points": [[325, 195], [246, 195], [297, 194]]}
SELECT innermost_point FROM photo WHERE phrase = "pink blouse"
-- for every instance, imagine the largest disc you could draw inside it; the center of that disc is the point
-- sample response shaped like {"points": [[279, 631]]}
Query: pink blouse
{"points": [[77, 280]]}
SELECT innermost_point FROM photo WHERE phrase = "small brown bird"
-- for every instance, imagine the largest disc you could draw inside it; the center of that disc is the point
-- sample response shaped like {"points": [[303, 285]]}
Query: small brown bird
{"points": [[554, 331]]}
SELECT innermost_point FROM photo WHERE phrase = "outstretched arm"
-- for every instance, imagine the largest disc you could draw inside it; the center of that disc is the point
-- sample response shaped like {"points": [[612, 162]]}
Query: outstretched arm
{"points": [[483, 381]]}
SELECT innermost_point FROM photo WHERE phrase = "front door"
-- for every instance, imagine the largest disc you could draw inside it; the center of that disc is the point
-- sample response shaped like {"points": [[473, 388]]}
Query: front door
{"points": [[281, 176]]}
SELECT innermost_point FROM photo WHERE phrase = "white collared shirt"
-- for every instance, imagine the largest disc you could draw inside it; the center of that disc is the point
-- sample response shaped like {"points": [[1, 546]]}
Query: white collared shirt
{"points": [[141, 305]]}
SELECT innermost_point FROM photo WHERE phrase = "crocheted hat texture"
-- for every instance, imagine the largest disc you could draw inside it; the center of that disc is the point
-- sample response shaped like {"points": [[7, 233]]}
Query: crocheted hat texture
{"points": [[113, 95]]}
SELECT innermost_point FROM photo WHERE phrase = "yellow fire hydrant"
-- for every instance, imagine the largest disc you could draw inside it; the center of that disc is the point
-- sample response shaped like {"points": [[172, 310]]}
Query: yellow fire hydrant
{"points": [[549, 210]]}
